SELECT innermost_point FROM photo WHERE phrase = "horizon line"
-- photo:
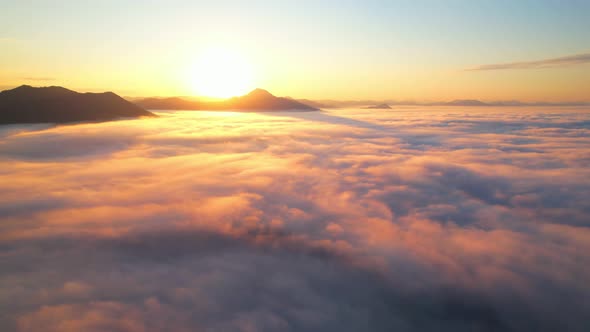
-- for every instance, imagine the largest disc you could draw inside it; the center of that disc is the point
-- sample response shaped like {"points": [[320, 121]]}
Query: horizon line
{"points": [[368, 101]]}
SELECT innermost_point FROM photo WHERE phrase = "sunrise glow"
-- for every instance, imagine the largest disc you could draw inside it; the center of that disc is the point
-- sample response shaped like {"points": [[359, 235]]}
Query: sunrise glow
{"points": [[295, 166], [221, 73]]}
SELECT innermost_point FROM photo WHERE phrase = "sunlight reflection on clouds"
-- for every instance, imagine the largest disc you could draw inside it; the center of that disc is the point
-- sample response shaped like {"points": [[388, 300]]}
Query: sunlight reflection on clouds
{"points": [[348, 220]]}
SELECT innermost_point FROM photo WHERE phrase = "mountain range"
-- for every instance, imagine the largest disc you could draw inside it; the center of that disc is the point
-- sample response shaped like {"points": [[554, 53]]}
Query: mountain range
{"points": [[330, 103], [258, 100], [54, 104]]}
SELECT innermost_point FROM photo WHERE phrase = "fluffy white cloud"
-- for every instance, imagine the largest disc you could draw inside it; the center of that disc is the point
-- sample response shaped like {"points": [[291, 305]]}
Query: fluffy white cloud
{"points": [[411, 219]]}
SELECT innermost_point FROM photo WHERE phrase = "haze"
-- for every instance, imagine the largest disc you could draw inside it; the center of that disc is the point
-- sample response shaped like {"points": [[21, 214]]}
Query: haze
{"points": [[418, 50]]}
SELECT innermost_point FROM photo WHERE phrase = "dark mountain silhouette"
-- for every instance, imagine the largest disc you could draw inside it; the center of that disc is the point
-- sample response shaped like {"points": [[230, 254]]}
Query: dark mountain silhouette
{"points": [[362, 103], [466, 102], [258, 100], [508, 103], [330, 103], [379, 106], [171, 103], [54, 104]]}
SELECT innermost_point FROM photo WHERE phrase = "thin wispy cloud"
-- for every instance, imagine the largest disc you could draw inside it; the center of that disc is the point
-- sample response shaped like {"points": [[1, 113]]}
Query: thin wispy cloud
{"points": [[570, 60], [38, 78]]}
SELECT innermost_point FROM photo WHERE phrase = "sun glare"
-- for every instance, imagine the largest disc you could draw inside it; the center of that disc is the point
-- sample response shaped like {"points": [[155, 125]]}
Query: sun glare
{"points": [[221, 73]]}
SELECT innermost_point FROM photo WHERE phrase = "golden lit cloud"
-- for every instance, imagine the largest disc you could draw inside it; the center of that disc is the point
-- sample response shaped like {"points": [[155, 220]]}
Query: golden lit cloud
{"points": [[197, 220]]}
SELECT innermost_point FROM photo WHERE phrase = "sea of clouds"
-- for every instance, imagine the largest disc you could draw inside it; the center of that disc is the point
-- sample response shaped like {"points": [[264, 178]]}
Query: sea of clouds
{"points": [[413, 219]]}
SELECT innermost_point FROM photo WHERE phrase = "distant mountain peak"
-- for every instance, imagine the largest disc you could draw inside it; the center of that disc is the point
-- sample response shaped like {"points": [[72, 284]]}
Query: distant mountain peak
{"points": [[379, 106], [28, 87], [259, 93], [467, 102], [257, 100], [27, 91]]}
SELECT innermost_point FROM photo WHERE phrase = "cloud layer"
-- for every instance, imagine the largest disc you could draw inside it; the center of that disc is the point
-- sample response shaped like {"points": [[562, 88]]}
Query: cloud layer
{"points": [[414, 219], [570, 60]]}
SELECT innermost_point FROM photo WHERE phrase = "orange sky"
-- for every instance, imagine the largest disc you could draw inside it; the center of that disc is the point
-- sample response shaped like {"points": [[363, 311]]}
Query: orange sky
{"points": [[372, 50]]}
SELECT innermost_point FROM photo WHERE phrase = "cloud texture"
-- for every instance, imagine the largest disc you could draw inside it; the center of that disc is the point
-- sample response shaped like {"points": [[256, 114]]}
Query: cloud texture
{"points": [[570, 60], [414, 219]]}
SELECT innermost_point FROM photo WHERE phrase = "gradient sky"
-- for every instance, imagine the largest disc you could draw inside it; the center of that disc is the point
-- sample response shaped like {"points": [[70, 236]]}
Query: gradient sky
{"points": [[418, 50]]}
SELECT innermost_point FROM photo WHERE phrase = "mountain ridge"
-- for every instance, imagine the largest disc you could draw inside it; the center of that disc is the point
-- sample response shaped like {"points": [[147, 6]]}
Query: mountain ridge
{"points": [[56, 104], [378, 107], [259, 100]]}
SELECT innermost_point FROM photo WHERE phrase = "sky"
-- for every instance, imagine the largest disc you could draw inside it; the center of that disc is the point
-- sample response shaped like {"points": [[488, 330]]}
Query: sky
{"points": [[403, 50]]}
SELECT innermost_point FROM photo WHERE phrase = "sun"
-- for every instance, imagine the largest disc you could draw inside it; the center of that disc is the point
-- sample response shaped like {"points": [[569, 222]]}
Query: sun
{"points": [[221, 73]]}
